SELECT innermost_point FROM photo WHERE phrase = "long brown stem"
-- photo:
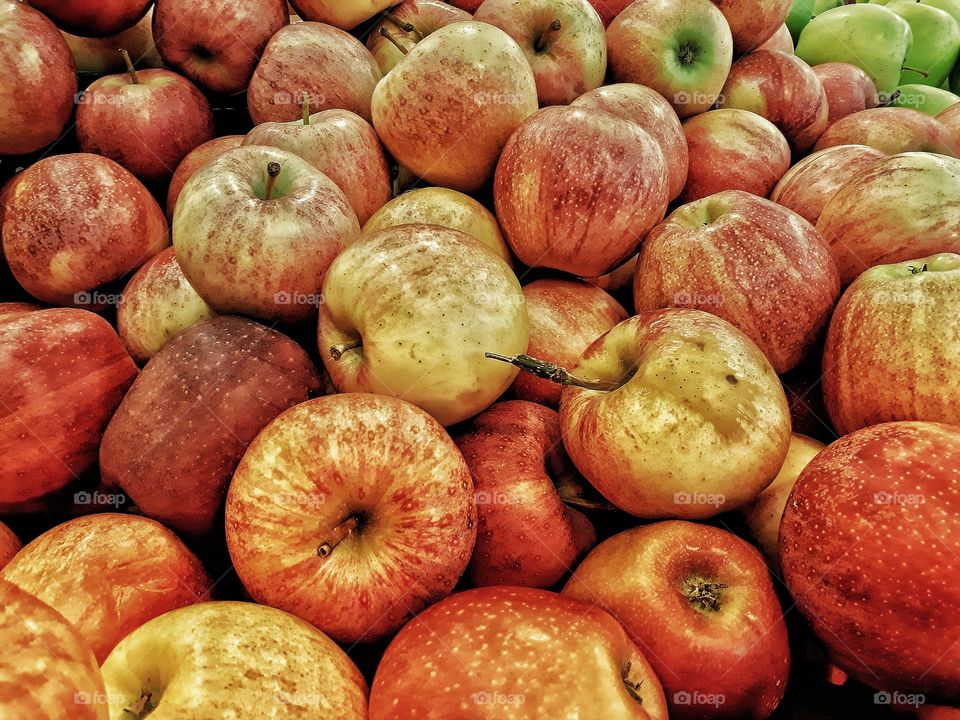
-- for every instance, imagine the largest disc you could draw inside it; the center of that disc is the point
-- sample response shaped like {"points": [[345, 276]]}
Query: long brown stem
{"points": [[916, 70], [551, 372], [338, 351], [131, 71], [273, 170], [396, 43], [340, 533], [541, 44]]}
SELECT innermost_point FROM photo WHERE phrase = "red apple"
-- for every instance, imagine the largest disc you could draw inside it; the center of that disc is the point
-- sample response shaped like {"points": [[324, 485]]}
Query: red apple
{"points": [[607, 9], [407, 24], [753, 22], [9, 545], [38, 79], [344, 14], [733, 150], [781, 40], [616, 280], [194, 160], [468, 5], [99, 54], [472, 657], [891, 130], [866, 520], [700, 601], [849, 89], [950, 119], [93, 18], [578, 189]]}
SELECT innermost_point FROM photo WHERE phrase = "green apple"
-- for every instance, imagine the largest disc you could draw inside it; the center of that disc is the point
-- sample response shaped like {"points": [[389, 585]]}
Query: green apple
{"points": [[936, 43], [799, 16], [929, 100], [821, 6]]}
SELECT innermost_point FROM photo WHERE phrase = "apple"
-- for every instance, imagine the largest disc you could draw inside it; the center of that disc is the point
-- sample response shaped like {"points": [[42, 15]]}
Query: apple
{"points": [[849, 89], [928, 100], [342, 146], [217, 43], [407, 24], [232, 660], [343, 14], [157, 303], [891, 130], [864, 518], [801, 12], [183, 427], [866, 227], [782, 88], [752, 262], [447, 110], [577, 189], [39, 80], [473, 655], [563, 40], [683, 49], [809, 185], [648, 109], [607, 9], [733, 149], [700, 602], [870, 376], [46, 666], [616, 280], [936, 43], [950, 119], [753, 22], [781, 40], [277, 211], [529, 531], [99, 55], [107, 225], [194, 160], [93, 18], [146, 121], [9, 545], [333, 68]]}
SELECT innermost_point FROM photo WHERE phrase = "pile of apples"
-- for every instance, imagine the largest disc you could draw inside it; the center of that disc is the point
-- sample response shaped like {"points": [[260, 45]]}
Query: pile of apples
{"points": [[528, 359]]}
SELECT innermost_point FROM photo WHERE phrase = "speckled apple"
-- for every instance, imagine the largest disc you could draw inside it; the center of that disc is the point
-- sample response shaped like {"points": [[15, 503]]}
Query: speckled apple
{"points": [[753, 22], [891, 130], [9, 545], [849, 89], [344, 14], [194, 160], [422, 16]]}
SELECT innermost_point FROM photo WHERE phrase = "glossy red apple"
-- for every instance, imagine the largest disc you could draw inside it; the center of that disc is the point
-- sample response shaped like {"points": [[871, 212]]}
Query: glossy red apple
{"points": [[891, 130], [753, 22], [100, 54], [781, 40], [849, 89], [344, 14], [607, 9], [407, 24], [9, 545], [93, 18], [194, 160]]}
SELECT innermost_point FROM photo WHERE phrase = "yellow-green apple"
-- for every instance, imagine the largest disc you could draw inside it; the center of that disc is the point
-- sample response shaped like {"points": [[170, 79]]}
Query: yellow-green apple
{"points": [[809, 185], [332, 67], [577, 189], [950, 119], [99, 55], [448, 208], [183, 427], [733, 150], [342, 146], [470, 657], [756, 264], [218, 660], [156, 304], [648, 109], [870, 375], [407, 24], [565, 317], [683, 49], [276, 211], [402, 316], [753, 22], [195, 159], [353, 512], [781, 40], [93, 18], [107, 225], [782, 88], [9, 545], [447, 110], [928, 100], [529, 530], [891, 130], [39, 79], [700, 602], [217, 43], [46, 670], [936, 43], [343, 14], [849, 89], [870, 220], [564, 41], [108, 574], [864, 521], [146, 121]]}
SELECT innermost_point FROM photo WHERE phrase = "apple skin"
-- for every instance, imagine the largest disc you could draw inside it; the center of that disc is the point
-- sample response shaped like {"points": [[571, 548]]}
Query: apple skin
{"points": [[99, 55], [107, 224], [565, 318], [646, 42], [871, 377], [736, 650], [426, 16], [781, 40], [65, 372], [343, 14], [871, 221], [616, 280], [849, 89], [378, 460], [217, 43], [782, 88], [891, 130], [194, 160], [481, 88], [733, 150], [9, 545], [753, 22], [473, 650], [234, 660], [929, 100], [46, 666], [578, 189], [108, 574], [37, 97], [526, 534], [184, 426], [93, 18], [653, 453], [332, 67], [424, 322], [756, 264], [648, 109], [864, 515], [607, 9], [950, 119], [341, 145], [566, 63]]}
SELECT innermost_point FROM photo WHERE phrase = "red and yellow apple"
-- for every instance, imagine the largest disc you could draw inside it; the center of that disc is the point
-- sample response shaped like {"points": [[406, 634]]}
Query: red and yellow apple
{"points": [[99, 54], [344, 14], [407, 24], [753, 22], [194, 160], [891, 130], [9, 545], [849, 89]]}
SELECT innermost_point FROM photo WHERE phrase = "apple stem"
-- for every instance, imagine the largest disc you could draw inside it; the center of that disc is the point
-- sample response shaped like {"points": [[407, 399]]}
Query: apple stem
{"points": [[916, 270], [273, 170], [890, 100], [396, 43], [340, 533], [916, 70], [633, 688], [131, 71], [541, 44], [338, 351], [703, 593], [140, 708], [305, 107], [583, 503], [405, 26], [551, 372]]}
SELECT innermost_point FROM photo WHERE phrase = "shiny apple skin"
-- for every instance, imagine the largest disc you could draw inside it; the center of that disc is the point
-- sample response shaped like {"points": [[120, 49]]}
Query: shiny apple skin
{"points": [[342, 14], [849, 89], [373, 457], [93, 18], [607, 9], [891, 130], [234, 660], [950, 119], [756, 264], [9, 545], [46, 665], [868, 524], [678, 427], [426, 16], [475, 650], [99, 55], [781, 40], [753, 22], [194, 160]]}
